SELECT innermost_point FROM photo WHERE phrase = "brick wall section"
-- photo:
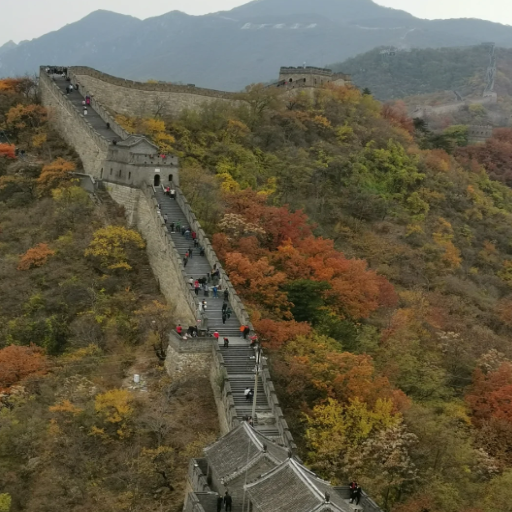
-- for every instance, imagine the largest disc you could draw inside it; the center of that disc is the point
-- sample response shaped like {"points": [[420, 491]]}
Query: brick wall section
{"points": [[144, 99], [236, 303], [91, 147], [186, 357], [141, 211]]}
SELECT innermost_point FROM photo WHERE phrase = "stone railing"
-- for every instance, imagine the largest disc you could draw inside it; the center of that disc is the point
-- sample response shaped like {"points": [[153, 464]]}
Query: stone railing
{"points": [[226, 394], [192, 503], [188, 293], [87, 182], [190, 345], [366, 502], [150, 86], [236, 303], [273, 402], [196, 475], [65, 104]]}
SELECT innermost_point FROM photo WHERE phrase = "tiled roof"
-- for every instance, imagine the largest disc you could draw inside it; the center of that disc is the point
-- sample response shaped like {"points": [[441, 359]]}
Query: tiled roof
{"points": [[133, 140], [292, 487], [239, 448]]}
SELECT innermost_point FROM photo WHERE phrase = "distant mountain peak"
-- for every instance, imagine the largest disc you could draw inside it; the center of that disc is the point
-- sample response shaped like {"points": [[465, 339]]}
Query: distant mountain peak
{"points": [[343, 11]]}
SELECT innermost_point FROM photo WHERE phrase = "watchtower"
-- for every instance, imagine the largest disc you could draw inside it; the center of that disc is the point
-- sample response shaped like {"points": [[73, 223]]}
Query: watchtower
{"points": [[309, 76], [479, 134], [136, 161]]}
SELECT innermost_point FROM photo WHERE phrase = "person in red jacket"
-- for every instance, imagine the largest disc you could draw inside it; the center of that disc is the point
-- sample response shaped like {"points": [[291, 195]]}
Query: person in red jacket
{"points": [[179, 329]]}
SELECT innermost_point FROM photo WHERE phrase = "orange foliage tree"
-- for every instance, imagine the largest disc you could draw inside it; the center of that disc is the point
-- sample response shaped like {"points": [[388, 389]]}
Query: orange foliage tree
{"points": [[55, 175], [17, 363], [489, 396], [35, 257], [354, 290], [7, 151], [258, 282], [317, 369]]}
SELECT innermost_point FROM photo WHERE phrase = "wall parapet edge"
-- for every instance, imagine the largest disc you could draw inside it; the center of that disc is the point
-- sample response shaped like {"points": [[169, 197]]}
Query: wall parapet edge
{"points": [[149, 193], [152, 87]]}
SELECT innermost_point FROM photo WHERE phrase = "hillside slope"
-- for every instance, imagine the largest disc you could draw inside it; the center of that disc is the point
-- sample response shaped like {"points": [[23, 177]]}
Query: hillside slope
{"points": [[377, 270], [229, 50]]}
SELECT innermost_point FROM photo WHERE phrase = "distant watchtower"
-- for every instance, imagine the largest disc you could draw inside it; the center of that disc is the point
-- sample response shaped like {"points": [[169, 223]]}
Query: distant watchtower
{"points": [[479, 134], [309, 76]]}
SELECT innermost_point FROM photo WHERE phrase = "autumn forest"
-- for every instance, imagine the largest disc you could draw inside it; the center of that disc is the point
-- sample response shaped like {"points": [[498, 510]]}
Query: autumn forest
{"points": [[374, 256]]}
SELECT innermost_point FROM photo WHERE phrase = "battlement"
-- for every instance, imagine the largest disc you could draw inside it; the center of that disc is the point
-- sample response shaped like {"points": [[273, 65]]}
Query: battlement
{"points": [[479, 134], [309, 76]]}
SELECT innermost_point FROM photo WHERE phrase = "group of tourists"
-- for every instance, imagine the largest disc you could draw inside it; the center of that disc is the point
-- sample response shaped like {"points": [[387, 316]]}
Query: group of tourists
{"points": [[60, 71], [170, 192], [225, 500], [70, 88], [355, 492]]}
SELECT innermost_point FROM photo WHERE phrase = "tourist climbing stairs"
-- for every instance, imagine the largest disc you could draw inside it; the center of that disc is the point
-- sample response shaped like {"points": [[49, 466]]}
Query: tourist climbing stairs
{"points": [[93, 118], [239, 357]]}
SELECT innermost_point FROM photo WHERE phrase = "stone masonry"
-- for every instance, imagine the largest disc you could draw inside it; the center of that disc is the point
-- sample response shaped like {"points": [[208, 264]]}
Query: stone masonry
{"points": [[232, 368], [145, 99]]}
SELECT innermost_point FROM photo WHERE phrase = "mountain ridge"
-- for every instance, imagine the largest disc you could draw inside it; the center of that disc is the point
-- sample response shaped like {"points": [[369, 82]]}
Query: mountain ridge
{"points": [[230, 49]]}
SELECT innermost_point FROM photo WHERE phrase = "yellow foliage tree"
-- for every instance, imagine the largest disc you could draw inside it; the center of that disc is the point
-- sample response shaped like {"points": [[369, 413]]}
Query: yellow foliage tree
{"points": [[153, 128], [35, 257], [334, 429], [5, 502], [66, 406], [114, 407], [55, 175], [111, 245], [443, 237]]}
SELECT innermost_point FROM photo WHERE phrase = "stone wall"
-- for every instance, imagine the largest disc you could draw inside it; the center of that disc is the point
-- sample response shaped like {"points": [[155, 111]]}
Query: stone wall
{"points": [[186, 357], [479, 134], [144, 99], [426, 110], [74, 127], [142, 212]]}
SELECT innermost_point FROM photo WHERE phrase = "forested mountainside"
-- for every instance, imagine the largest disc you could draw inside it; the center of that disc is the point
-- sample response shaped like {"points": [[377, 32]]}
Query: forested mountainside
{"points": [[76, 322], [247, 44], [394, 74], [437, 77], [377, 270]]}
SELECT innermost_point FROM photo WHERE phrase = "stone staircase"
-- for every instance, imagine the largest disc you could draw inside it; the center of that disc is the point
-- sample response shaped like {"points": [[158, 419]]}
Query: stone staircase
{"points": [[197, 267], [92, 117], [239, 358], [239, 361]]}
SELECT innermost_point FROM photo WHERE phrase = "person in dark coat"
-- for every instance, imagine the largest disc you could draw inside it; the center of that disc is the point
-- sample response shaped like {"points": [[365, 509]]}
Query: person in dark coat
{"points": [[220, 500], [228, 501], [356, 496]]}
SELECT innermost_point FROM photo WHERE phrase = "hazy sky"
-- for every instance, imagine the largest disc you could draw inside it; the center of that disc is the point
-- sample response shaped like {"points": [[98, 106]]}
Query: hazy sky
{"points": [[26, 19]]}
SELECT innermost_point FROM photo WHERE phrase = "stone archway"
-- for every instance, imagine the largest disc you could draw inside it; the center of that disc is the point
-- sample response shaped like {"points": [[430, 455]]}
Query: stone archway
{"points": [[156, 180]]}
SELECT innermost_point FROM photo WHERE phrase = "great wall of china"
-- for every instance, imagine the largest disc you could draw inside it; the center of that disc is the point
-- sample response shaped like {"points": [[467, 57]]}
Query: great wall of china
{"points": [[252, 462]]}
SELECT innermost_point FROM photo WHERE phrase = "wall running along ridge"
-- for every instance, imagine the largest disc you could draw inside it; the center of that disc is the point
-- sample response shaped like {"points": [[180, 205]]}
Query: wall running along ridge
{"points": [[72, 125], [145, 99], [201, 356]]}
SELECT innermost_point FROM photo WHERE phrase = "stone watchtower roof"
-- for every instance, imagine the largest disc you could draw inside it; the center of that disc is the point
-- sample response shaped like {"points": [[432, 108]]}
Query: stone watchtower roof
{"points": [[290, 486], [134, 140], [240, 449]]}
